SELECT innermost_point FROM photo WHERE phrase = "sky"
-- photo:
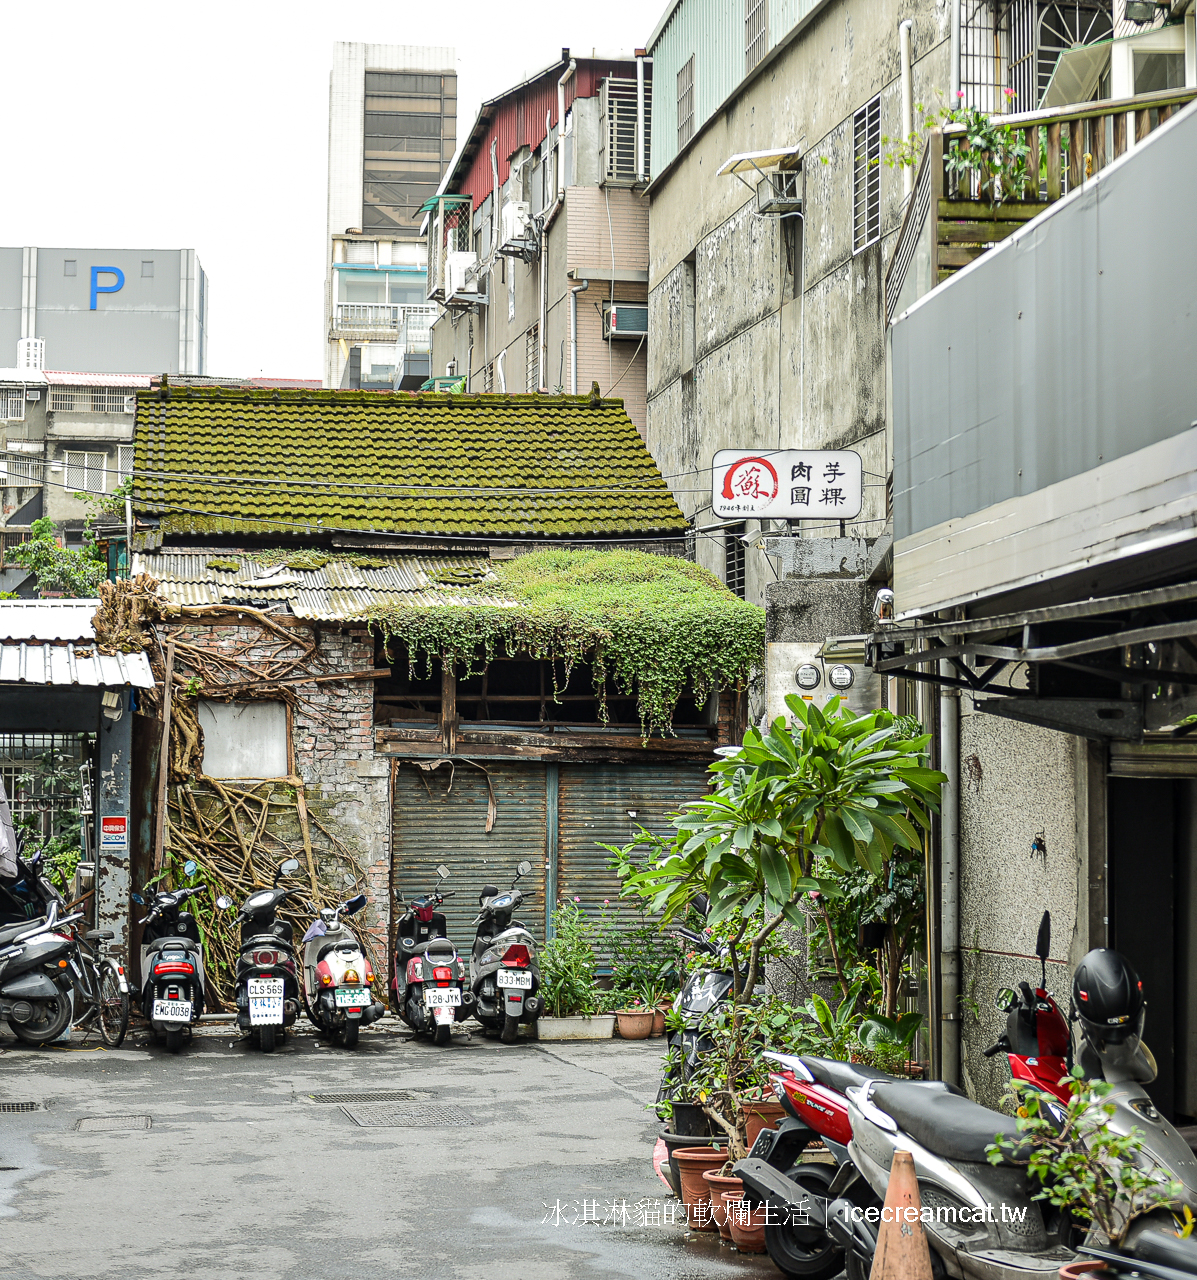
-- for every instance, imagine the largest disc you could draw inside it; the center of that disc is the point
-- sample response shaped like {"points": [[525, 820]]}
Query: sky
{"points": [[164, 126]]}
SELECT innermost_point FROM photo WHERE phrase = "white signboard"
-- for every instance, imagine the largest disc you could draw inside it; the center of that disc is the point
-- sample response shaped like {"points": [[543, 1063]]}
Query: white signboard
{"points": [[787, 484]]}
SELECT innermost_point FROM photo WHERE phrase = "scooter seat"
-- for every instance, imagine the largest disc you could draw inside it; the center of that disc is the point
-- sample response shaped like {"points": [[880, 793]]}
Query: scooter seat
{"points": [[945, 1123], [11, 931], [842, 1075], [442, 945]]}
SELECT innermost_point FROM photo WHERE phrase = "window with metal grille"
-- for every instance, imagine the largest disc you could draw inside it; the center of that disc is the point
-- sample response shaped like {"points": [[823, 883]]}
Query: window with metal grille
{"points": [[619, 128], [685, 103], [733, 560], [756, 32], [124, 462], [488, 377], [12, 403], [85, 471], [11, 538], [41, 773], [866, 175], [92, 400], [532, 358]]}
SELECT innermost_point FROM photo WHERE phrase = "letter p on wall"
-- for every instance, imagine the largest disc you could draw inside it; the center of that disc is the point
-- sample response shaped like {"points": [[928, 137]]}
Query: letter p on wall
{"points": [[98, 288]]}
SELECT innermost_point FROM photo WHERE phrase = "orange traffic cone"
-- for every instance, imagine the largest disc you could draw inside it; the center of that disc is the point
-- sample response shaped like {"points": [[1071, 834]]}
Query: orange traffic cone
{"points": [[902, 1250]]}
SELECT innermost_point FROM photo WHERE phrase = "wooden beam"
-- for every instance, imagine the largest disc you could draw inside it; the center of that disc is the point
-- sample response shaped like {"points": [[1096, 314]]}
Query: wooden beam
{"points": [[448, 707], [1076, 149], [164, 759], [1119, 134], [1053, 162]]}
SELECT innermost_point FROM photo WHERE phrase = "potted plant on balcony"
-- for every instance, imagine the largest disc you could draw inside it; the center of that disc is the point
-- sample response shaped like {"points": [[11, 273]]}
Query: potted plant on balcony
{"points": [[569, 982]]}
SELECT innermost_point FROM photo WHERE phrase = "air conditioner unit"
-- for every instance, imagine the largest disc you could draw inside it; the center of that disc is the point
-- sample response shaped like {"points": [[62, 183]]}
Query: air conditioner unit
{"points": [[460, 282], [625, 320], [780, 193], [518, 237]]}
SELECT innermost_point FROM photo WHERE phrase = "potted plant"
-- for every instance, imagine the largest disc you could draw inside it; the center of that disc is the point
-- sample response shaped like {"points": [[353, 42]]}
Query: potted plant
{"points": [[569, 982], [635, 1022]]}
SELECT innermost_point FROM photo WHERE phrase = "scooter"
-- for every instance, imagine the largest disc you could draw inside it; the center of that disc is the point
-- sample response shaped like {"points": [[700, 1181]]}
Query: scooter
{"points": [[35, 981], [29, 894], [504, 974], [267, 991], [428, 984], [337, 975], [172, 964]]}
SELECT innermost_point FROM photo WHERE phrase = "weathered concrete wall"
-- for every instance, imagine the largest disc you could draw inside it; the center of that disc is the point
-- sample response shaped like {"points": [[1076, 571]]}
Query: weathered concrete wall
{"points": [[1017, 782]]}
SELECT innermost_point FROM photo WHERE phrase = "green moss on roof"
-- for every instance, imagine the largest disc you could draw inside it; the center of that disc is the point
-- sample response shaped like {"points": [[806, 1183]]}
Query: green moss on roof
{"points": [[220, 460], [650, 623]]}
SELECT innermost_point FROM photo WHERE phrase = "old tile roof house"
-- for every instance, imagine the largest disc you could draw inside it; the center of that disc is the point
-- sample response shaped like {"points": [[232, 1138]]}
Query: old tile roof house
{"points": [[358, 522]]}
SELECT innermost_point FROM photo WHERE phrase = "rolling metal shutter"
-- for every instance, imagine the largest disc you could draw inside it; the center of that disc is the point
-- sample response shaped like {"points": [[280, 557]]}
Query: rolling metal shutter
{"points": [[1177, 759], [434, 824], [593, 806]]}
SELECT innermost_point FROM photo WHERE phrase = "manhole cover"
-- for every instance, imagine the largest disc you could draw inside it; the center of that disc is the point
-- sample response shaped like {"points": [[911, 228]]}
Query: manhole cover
{"points": [[378, 1095], [14, 1108], [112, 1124], [421, 1115]]}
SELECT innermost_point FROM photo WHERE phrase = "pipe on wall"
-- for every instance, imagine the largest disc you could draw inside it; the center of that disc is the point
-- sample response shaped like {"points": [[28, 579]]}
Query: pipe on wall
{"points": [[904, 30], [573, 334], [954, 59], [949, 880], [640, 115], [568, 72]]}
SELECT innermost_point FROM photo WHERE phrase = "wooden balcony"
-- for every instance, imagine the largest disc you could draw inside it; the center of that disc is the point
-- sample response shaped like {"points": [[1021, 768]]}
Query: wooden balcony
{"points": [[949, 218]]}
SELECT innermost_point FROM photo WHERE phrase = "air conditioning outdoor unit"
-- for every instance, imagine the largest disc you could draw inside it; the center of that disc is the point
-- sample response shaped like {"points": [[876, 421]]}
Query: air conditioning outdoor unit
{"points": [[780, 193], [625, 320], [460, 284]]}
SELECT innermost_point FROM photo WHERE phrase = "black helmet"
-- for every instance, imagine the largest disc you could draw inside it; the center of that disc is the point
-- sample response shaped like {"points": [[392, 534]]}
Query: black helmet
{"points": [[1108, 997]]}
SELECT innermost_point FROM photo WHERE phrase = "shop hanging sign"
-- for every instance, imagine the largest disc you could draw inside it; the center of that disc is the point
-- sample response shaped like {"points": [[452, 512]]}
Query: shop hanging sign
{"points": [[114, 833], [787, 484]]}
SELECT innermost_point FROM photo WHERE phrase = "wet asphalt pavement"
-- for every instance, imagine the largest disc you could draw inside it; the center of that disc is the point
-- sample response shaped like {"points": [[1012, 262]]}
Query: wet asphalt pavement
{"points": [[242, 1174]]}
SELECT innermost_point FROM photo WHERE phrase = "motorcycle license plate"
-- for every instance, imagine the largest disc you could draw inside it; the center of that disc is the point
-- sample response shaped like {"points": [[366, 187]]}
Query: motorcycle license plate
{"points": [[171, 1011], [442, 997], [352, 997], [265, 1002], [509, 978]]}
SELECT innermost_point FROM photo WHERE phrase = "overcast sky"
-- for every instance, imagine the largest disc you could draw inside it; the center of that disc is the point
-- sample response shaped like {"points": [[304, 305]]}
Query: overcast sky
{"points": [[165, 126]]}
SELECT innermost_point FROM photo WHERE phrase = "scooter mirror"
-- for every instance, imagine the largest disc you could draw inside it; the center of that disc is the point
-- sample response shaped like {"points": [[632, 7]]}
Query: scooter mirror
{"points": [[1043, 943], [1004, 999], [136, 897], [524, 868], [442, 872], [289, 868], [702, 904], [189, 868], [354, 904], [224, 902]]}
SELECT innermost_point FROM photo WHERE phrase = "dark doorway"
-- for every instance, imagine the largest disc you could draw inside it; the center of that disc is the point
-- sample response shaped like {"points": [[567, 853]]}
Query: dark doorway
{"points": [[1151, 894]]}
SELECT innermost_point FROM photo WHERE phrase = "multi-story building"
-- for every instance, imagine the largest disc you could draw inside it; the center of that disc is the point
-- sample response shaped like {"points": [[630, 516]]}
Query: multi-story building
{"points": [[538, 240], [107, 310], [392, 130]]}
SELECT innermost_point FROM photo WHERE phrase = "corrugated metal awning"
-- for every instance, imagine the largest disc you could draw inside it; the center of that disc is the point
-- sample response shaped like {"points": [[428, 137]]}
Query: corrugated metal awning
{"points": [[47, 619], [72, 664]]}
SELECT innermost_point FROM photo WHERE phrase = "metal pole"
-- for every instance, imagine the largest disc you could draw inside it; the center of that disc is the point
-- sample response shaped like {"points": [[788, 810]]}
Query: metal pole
{"points": [[954, 59], [639, 115], [949, 880], [904, 30]]}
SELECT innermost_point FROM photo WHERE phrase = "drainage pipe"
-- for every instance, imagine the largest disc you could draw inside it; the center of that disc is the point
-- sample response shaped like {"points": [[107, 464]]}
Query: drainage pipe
{"points": [[949, 880], [954, 59], [573, 334], [573, 66], [904, 30], [639, 115]]}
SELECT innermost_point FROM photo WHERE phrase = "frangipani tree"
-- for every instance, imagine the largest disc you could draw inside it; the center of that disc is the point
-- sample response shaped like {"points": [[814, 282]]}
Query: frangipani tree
{"points": [[830, 786]]}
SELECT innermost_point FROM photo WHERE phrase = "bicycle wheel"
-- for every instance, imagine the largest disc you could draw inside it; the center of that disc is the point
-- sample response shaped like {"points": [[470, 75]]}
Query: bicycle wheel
{"points": [[113, 1006]]}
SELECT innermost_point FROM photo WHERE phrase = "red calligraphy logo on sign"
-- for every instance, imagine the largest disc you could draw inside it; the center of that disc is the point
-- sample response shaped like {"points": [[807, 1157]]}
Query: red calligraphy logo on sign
{"points": [[752, 480]]}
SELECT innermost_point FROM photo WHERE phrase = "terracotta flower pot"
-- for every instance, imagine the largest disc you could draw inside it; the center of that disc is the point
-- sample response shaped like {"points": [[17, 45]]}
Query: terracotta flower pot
{"points": [[634, 1024], [692, 1163], [658, 1022], [719, 1184], [747, 1225], [762, 1115]]}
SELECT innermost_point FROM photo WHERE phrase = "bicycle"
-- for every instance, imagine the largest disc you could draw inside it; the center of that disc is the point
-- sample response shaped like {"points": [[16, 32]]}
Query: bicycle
{"points": [[100, 988]]}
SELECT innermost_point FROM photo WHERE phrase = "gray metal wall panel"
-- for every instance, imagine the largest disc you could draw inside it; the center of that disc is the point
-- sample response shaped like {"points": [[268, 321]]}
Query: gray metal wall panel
{"points": [[1071, 344], [434, 824], [593, 804]]}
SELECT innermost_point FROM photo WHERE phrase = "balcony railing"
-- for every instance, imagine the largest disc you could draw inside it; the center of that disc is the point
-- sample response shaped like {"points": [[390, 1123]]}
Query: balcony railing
{"points": [[951, 220], [383, 319]]}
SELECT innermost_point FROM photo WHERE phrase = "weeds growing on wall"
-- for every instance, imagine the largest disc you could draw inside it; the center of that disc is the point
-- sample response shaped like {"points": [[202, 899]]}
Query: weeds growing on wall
{"points": [[654, 625]]}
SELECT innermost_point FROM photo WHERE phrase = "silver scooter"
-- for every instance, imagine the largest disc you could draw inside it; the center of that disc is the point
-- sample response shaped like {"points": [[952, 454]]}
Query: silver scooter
{"points": [[337, 975]]}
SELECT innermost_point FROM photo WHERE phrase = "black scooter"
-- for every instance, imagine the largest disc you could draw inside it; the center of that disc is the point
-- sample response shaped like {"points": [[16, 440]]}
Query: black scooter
{"points": [[428, 985], [172, 964], [267, 991]]}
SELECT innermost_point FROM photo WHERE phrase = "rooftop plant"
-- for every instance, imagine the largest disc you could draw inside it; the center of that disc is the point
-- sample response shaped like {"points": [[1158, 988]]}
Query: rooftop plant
{"points": [[58, 568], [656, 625]]}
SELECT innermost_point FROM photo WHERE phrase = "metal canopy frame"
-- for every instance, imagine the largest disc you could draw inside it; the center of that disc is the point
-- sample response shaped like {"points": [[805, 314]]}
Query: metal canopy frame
{"points": [[1120, 622]]}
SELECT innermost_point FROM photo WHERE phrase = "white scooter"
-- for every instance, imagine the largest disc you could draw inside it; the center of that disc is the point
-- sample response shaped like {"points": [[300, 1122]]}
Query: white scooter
{"points": [[337, 975]]}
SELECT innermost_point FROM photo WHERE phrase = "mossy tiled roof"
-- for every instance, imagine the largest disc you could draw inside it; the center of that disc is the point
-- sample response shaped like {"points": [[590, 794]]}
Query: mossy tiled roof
{"points": [[216, 460]]}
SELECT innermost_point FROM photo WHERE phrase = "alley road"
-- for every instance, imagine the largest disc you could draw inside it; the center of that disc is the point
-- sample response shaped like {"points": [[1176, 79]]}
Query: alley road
{"points": [[241, 1174]]}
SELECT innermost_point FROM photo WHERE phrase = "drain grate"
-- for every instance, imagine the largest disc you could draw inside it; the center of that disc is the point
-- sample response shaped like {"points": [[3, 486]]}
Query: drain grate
{"points": [[416, 1116], [377, 1095], [112, 1124], [16, 1108]]}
